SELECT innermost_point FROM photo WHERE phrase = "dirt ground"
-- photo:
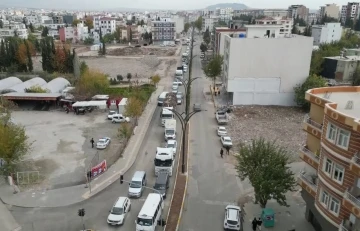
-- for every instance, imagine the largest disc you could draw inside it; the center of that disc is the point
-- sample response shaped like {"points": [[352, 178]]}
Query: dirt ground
{"points": [[282, 124], [61, 148], [136, 51]]}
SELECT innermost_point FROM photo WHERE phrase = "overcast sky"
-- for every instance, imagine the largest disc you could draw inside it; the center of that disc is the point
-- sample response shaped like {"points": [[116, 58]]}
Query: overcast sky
{"points": [[161, 4]]}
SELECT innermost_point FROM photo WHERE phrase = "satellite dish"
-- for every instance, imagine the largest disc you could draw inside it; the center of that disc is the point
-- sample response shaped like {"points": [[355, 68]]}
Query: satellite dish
{"points": [[241, 35]]}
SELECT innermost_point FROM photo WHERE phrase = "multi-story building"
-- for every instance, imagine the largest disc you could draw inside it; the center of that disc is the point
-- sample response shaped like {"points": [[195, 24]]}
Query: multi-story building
{"points": [[58, 19], [221, 32], [285, 23], [350, 11], [300, 11], [341, 68], [207, 13], [274, 82], [331, 179], [75, 34], [7, 32], [252, 12], [328, 33], [105, 24], [179, 24], [209, 22], [330, 10], [313, 18], [343, 13], [275, 12], [163, 30]]}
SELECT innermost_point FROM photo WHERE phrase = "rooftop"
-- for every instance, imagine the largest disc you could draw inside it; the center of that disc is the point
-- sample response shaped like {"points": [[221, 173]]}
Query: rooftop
{"points": [[263, 25], [346, 98], [345, 58]]}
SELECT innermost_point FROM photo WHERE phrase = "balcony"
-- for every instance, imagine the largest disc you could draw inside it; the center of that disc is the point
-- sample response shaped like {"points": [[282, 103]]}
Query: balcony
{"points": [[309, 157], [308, 182], [312, 127], [352, 201], [355, 164], [343, 227]]}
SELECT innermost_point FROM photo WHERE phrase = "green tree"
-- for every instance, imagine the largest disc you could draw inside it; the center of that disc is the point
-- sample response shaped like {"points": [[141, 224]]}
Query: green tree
{"points": [[186, 27], [307, 31], [150, 38], [155, 79], [31, 27], [130, 35], [198, 23], [357, 25], [45, 32], [119, 78], [214, 68], [142, 22], [108, 38], [75, 22], [1, 24], [203, 47], [294, 29], [134, 108], [313, 81], [36, 89], [125, 131], [2, 56], [128, 76], [206, 36], [133, 19], [90, 83], [89, 41], [264, 163], [83, 68]]}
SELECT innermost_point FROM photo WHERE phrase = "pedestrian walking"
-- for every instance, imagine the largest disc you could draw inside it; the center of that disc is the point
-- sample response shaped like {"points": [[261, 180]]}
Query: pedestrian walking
{"points": [[92, 142], [221, 152], [228, 149], [254, 224], [259, 223]]}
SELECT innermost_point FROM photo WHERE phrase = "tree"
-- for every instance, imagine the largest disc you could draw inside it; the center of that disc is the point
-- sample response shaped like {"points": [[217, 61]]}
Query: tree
{"points": [[90, 83], [119, 78], [206, 36], [155, 79], [108, 38], [130, 35], [117, 34], [294, 29], [128, 76], [265, 165], [36, 89], [31, 27], [45, 32], [203, 47], [186, 27], [198, 23], [75, 22], [150, 38], [83, 68], [1, 24], [125, 131], [307, 31], [29, 56], [22, 58], [357, 25], [89, 23], [214, 68], [142, 22], [313, 81], [2, 56], [133, 19], [134, 108], [14, 143], [89, 41]]}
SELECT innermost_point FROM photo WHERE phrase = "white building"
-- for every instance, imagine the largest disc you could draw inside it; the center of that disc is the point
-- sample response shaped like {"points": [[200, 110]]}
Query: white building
{"points": [[285, 23], [331, 10], [107, 25], [264, 71], [275, 12], [208, 23], [21, 33], [330, 32], [163, 30], [76, 34], [179, 24]]}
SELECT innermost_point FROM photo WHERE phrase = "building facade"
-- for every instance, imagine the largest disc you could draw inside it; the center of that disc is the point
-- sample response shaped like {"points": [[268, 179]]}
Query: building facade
{"points": [[341, 68], [300, 11], [264, 71], [328, 33], [74, 34], [106, 25], [208, 23], [163, 30], [285, 23], [349, 11], [330, 10], [21, 33], [330, 182], [275, 12], [221, 32]]}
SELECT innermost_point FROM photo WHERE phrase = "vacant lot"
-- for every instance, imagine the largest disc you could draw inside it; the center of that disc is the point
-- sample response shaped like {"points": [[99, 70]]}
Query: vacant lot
{"points": [[61, 149], [283, 124], [137, 51]]}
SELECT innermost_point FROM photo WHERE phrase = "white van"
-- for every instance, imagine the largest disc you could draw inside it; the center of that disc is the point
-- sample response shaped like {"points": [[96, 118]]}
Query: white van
{"points": [[119, 211], [136, 185], [161, 98], [151, 213]]}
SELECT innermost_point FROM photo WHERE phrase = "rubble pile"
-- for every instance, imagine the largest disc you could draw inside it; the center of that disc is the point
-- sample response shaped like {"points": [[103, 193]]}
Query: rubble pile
{"points": [[138, 51], [282, 124], [151, 61]]}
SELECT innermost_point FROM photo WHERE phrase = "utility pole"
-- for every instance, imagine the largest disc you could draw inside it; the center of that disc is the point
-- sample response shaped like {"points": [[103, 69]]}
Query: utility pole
{"points": [[188, 91]]}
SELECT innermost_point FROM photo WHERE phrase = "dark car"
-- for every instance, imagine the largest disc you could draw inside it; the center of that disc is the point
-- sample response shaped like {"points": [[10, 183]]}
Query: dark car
{"points": [[162, 183], [197, 107]]}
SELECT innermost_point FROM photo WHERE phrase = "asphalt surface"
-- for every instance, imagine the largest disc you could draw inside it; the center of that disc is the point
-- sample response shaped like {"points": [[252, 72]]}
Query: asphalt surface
{"points": [[212, 180], [97, 208]]}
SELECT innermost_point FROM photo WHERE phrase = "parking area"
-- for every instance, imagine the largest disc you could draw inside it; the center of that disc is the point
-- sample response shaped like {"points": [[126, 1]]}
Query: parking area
{"points": [[61, 147]]}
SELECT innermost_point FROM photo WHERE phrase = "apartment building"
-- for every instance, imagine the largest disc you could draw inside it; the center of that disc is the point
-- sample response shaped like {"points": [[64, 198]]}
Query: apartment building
{"points": [[275, 12], [330, 182], [343, 13], [313, 18], [221, 32], [58, 19], [341, 68], [75, 34], [209, 22], [179, 24], [163, 30], [285, 23], [330, 10], [328, 33], [7, 32], [264, 71], [207, 12], [351, 11], [105, 24], [224, 14], [253, 12], [300, 11]]}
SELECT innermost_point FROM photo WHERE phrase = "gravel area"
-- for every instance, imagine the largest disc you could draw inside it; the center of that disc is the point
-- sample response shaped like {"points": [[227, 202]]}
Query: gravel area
{"points": [[134, 51], [283, 124]]}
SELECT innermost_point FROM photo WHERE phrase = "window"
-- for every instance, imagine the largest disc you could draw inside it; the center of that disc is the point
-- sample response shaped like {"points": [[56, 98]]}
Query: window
{"points": [[343, 138], [328, 166], [329, 202], [334, 205], [338, 174], [331, 132], [324, 198]]}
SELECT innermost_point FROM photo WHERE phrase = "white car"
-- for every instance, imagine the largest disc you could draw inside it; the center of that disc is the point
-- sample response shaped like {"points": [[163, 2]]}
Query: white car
{"points": [[103, 143], [119, 211], [221, 131], [111, 114], [172, 144], [232, 217], [178, 83], [118, 118], [226, 141], [185, 69]]}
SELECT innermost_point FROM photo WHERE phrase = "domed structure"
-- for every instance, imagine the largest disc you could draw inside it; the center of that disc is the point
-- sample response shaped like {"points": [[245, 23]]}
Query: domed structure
{"points": [[37, 81], [9, 82], [57, 85]]}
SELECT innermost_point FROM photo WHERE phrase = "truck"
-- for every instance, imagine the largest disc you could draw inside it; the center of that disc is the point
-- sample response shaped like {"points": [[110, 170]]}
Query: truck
{"points": [[164, 160], [222, 117], [170, 100], [170, 129], [166, 114]]}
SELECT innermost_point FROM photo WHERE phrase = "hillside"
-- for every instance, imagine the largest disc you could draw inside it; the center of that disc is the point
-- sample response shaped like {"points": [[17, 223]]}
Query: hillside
{"points": [[234, 6]]}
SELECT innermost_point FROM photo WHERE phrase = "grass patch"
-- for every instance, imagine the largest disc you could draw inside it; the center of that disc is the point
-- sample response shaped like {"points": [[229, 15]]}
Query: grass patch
{"points": [[144, 91]]}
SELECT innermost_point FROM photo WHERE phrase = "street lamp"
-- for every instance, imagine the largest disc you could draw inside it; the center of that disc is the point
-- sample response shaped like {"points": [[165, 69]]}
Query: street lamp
{"points": [[187, 84], [184, 120]]}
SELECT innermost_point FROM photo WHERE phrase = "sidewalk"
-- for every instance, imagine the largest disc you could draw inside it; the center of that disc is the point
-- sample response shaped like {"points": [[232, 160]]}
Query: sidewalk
{"points": [[7, 221], [71, 195]]}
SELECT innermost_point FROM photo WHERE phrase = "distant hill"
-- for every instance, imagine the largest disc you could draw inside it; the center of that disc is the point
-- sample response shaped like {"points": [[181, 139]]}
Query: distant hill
{"points": [[234, 6]]}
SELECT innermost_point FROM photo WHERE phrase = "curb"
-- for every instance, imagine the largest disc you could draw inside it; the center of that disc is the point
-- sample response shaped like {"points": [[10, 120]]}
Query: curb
{"points": [[186, 184]]}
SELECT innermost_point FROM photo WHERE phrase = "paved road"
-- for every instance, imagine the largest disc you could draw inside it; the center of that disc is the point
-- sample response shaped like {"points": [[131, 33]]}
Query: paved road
{"points": [[212, 181], [97, 208]]}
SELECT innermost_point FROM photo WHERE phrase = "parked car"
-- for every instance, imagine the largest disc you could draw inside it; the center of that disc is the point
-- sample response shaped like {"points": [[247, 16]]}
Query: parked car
{"points": [[119, 211], [232, 218], [162, 183], [178, 99], [221, 131], [171, 144], [197, 107], [103, 143], [111, 114], [180, 94], [226, 141], [118, 118]]}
